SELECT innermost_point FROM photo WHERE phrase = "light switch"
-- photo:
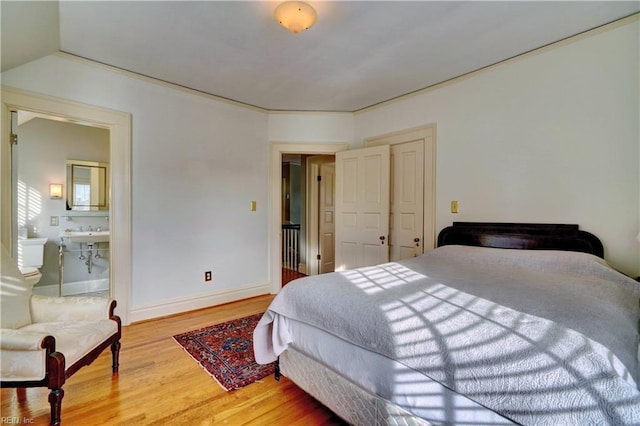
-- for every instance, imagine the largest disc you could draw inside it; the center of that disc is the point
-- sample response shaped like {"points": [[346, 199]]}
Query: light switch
{"points": [[454, 206], [253, 206], [54, 220]]}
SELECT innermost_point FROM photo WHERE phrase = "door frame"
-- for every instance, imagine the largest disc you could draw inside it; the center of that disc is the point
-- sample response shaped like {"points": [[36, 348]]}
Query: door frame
{"points": [[276, 149], [119, 125], [428, 134]]}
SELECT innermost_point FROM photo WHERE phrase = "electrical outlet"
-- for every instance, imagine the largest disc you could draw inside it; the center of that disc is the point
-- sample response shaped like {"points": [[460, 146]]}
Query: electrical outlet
{"points": [[207, 276]]}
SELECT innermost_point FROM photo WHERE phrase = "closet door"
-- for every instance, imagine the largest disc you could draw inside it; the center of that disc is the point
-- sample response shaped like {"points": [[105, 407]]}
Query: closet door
{"points": [[413, 177], [362, 207], [407, 200]]}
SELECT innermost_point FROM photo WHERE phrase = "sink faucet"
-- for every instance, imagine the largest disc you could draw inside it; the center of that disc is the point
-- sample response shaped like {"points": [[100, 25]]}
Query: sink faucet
{"points": [[89, 228]]}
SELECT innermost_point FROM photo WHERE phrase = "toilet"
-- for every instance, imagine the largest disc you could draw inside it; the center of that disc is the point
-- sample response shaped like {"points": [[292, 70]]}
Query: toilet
{"points": [[31, 252]]}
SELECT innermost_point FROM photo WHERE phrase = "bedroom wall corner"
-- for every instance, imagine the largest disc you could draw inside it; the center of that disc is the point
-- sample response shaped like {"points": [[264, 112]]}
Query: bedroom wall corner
{"points": [[551, 136]]}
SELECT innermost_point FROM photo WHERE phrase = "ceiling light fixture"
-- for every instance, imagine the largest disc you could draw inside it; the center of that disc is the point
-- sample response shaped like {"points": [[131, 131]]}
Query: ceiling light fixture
{"points": [[295, 16]]}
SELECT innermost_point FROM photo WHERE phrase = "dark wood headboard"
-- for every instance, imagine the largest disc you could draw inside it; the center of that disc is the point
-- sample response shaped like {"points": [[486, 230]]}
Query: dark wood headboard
{"points": [[529, 236]]}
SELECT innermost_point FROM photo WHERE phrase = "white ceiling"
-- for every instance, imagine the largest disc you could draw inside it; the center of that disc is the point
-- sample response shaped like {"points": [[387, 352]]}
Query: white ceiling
{"points": [[358, 54]]}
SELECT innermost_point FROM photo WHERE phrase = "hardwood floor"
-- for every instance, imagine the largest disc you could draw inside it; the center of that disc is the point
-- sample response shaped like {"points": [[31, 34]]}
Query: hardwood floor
{"points": [[289, 275], [160, 384]]}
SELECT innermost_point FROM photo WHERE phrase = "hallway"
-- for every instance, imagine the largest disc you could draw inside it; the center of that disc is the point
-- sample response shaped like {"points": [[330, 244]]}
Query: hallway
{"points": [[289, 275]]}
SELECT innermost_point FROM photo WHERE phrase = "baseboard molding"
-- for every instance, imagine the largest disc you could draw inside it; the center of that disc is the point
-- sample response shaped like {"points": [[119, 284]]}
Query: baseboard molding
{"points": [[70, 289], [177, 306]]}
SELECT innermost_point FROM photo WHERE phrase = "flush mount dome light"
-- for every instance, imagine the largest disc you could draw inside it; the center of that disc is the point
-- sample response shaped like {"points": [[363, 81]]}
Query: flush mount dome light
{"points": [[295, 16]]}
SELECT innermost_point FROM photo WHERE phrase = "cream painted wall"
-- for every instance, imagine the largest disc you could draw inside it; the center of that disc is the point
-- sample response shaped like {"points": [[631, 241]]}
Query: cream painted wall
{"points": [[310, 127], [196, 165], [553, 137]]}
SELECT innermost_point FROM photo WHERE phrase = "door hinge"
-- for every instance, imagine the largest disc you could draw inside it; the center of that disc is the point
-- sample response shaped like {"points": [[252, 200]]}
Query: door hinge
{"points": [[319, 178], [318, 257], [13, 136]]}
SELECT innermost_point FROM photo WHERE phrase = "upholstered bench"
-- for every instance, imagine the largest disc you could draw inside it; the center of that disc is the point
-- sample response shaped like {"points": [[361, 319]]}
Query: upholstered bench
{"points": [[44, 340]]}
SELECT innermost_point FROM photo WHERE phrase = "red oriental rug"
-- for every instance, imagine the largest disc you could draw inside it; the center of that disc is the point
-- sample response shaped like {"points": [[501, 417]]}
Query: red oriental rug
{"points": [[225, 351]]}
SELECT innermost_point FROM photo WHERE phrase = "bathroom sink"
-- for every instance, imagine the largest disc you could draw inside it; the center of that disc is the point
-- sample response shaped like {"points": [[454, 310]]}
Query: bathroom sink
{"points": [[85, 236]]}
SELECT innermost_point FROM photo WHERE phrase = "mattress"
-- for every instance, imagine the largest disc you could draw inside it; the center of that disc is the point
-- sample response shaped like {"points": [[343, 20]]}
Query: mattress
{"points": [[381, 378], [353, 404]]}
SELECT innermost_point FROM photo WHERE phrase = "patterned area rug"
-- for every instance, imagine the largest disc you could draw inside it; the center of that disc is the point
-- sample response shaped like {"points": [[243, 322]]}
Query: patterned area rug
{"points": [[225, 351]]}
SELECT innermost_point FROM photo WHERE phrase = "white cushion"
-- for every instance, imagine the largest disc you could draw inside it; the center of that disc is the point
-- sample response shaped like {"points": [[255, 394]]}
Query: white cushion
{"points": [[69, 308], [75, 339], [22, 356], [22, 365]]}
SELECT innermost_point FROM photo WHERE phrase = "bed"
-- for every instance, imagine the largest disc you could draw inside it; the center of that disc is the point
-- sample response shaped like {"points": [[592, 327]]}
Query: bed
{"points": [[501, 324]]}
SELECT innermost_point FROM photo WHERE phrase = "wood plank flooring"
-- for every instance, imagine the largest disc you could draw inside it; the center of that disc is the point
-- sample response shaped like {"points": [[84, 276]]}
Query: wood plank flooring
{"points": [[160, 384], [289, 275]]}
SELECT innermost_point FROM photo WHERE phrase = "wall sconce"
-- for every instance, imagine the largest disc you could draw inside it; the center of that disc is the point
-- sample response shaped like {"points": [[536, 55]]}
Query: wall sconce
{"points": [[295, 16], [55, 191]]}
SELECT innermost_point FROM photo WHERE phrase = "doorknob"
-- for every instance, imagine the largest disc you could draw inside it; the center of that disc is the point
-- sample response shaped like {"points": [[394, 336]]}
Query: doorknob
{"points": [[382, 238], [417, 241]]}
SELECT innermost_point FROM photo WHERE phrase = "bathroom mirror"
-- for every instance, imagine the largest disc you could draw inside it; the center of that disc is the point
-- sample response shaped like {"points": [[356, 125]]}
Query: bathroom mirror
{"points": [[87, 185]]}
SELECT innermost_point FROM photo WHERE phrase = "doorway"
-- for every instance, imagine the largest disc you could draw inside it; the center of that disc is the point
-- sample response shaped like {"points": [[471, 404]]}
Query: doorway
{"points": [[321, 214], [277, 152], [425, 134], [119, 127], [294, 225], [307, 215], [51, 150]]}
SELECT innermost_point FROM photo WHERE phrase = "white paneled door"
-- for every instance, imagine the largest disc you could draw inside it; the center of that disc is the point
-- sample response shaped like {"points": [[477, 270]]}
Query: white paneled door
{"points": [[362, 207], [327, 217], [407, 200]]}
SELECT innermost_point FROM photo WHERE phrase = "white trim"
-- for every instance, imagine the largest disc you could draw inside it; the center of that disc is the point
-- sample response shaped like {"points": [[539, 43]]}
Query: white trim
{"points": [[181, 305], [119, 125], [276, 149]]}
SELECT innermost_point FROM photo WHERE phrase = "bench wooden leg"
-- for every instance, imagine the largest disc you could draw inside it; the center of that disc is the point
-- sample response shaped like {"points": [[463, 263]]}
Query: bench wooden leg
{"points": [[22, 394], [55, 400], [115, 356]]}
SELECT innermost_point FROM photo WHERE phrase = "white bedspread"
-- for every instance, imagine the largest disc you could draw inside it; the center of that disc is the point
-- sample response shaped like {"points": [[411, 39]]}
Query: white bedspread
{"points": [[518, 332]]}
